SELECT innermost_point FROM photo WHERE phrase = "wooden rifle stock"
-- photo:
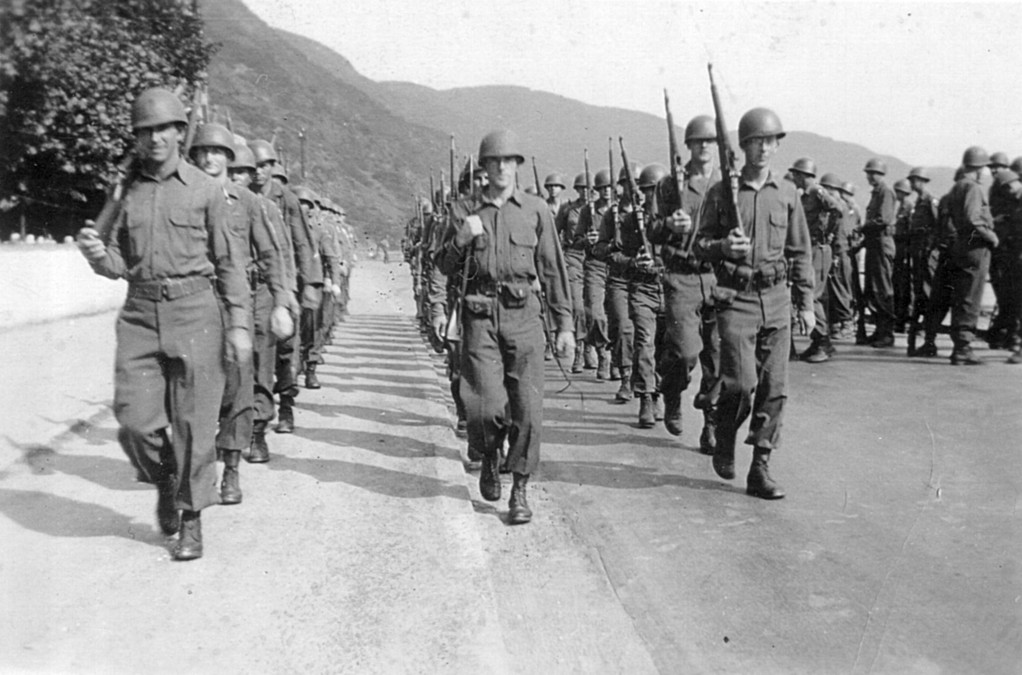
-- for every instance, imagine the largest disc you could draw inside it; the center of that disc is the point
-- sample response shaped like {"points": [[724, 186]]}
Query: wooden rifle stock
{"points": [[635, 197], [728, 164]]}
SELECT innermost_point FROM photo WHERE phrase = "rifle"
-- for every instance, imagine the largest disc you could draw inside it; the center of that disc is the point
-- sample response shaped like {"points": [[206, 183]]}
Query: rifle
{"points": [[728, 170], [452, 332], [612, 203], [589, 188], [535, 179], [635, 197], [104, 222], [454, 181], [193, 121]]}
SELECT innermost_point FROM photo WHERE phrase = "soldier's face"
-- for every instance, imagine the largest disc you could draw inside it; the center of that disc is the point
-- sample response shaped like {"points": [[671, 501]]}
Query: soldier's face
{"points": [[872, 178], [758, 151], [917, 184], [702, 150], [213, 161], [241, 177], [605, 193], [554, 190], [501, 171], [160, 143], [263, 172]]}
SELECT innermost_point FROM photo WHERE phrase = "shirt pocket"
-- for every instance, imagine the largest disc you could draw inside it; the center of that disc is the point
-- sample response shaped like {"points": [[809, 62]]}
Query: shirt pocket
{"points": [[523, 252], [778, 232]]}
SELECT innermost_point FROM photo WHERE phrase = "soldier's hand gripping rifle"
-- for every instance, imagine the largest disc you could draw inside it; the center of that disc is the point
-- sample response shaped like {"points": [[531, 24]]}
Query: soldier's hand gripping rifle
{"points": [[535, 180], [635, 197], [677, 177], [728, 164]]}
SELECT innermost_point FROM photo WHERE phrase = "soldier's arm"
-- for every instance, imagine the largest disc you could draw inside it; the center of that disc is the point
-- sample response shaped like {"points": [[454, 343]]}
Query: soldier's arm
{"points": [[552, 272], [268, 254], [800, 260], [308, 266], [228, 254], [605, 239], [112, 265], [709, 243]]}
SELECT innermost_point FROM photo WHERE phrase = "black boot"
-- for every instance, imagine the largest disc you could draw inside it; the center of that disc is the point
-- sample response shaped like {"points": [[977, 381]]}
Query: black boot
{"points": [[311, 381], [576, 365], [672, 414], [461, 428], [708, 437], [166, 512], [624, 392], [929, 349], [759, 483], [964, 356], [259, 452], [647, 417], [602, 364], [286, 423], [519, 512], [189, 544], [230, 486], [724, 461], [489, 477]]}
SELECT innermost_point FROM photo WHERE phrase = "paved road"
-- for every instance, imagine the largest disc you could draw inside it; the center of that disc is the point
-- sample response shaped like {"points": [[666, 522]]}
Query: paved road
{"points": [[364, 547]]}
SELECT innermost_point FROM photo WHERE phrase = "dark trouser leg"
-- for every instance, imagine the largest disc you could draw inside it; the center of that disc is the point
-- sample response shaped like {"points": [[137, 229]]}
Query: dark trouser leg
{"points": [[575, 262], [595, 280], [643, 306], [880, 288], [969, 277], [264, 355], [237, 404], [821, 298], [839, 290], [901, 284], [620, 328]]}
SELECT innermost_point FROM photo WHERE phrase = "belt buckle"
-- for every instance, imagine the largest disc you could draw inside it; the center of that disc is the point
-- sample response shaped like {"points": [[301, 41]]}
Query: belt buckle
{"points": [[165, 289]]}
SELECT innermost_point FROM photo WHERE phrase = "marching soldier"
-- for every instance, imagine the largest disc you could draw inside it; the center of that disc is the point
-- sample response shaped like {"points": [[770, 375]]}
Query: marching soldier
{"points": [[213, 150], [878, 240], [902, 273], [595, 274], [923, 254], [573, 244], [514, 264], [754, 258], [172, 243], [1002, 208], [313, 320], [839, 280], [691, 321], [554, 185], [822, 211]]}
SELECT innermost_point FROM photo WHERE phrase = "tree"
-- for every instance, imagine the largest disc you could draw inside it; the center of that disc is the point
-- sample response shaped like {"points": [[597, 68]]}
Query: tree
{"points": [[69, 70]]}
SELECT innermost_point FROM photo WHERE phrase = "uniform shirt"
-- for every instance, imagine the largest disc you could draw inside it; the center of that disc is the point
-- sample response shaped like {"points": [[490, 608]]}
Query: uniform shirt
{"points": [[176, 227], [325, 241], [307, 264], [589, 219], [773, 219], [694, 188], [518, 244], [822, 210], [922, 226], [878, 228], [287, 257], [620, 241], [249, 222], [572, 237], [968, 208]]}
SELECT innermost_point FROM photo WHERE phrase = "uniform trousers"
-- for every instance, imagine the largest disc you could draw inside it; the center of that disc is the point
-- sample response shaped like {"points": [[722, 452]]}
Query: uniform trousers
{"points": [[840, 289], [924, 268], [1002, 284], [966, 277], [821, 296], [645, 304], [619, 324], [901, 281], [594, 298], [169, 373], [755, 336], [691, 337], [264, 354], [878, 290], [502, 379], [237, 406], [574, 260], [287, 362]]}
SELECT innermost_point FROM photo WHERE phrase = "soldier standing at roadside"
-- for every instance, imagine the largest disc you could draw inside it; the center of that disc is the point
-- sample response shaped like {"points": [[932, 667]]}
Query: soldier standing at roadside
{"points": [[922, 251], [839, 280], [878, 240], [170, 240], [902, 273], [754, 258], [514, 263]]}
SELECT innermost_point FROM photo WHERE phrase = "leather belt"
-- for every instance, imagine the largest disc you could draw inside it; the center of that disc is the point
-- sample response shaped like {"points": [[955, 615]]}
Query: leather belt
{"points": [[168, 289]]}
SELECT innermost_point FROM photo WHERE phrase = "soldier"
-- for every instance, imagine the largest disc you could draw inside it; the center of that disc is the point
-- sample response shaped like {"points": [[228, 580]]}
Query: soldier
{"points": [[922, 252], [554, 184], [574, 243], [595, 274], [261, 258], [514, 265], [754, 258], [823, 212], [171, 242], [314, 321], [839, 280], [1011, 248], [264, 306], [620, 271], [1002, 209], [308, 270], [691, 322], [902, 274], [969, 253], [878, 240]]}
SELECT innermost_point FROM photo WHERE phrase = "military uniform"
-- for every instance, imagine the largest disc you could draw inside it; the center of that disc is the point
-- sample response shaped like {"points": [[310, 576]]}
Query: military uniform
{"points": [[923, 253], [823, 213], [594, 292], [878, 240], [620, 329], [574, 244], [840, 289]]}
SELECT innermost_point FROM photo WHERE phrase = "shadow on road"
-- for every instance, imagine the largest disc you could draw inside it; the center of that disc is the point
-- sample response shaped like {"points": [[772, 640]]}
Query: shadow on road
{"points": [[623, 477], [378, 415], [391, 445]]}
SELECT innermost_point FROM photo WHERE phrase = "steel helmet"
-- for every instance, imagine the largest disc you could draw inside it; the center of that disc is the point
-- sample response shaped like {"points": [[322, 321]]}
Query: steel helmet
{"points": [[243, 158], [831, 180], [500, 143], [920, 173], [582, 180], [701, 128], [279, 173], [804, 165], [214, 136], [1005, 177], [602, 179], [848, 187], [304, 194], [999, 159], [902, 186], [1016, 165], [759, 123], [622, 174], [651, 175], [263, 151], [554, 179], [876, 165], [157, 106], [975, 157]]}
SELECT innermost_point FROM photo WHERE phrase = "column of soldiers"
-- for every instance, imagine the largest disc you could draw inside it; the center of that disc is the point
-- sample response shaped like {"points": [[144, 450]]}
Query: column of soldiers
{"points": [[222, 262]]}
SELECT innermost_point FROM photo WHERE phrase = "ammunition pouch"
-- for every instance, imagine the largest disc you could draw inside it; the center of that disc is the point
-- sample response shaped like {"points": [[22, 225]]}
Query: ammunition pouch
{"points": [[743, 278], [479, 305], [511, 294]]}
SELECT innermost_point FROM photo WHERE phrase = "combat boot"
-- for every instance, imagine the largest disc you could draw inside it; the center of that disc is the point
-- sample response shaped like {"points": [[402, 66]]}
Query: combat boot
{"points": [[577, 365], [603, 364], [672, 415], [311, 381], [724, 461], [1016, 356], [708, 437], [189, 543], [759, 483], [929, 349], [166, 511], [286, 415], [624, 392], [489, 477], [548, 352], [647, 418], [591, 360], [259, 452], [964, 356], [882, 341], [230, 486], [658, 408], [519, 512]]}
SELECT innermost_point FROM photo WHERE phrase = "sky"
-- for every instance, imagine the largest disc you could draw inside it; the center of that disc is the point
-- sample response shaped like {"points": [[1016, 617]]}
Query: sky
{"points": [[921, 81]]}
